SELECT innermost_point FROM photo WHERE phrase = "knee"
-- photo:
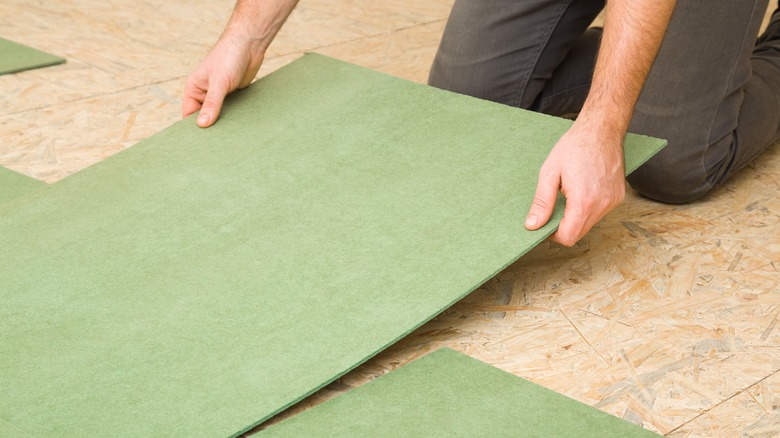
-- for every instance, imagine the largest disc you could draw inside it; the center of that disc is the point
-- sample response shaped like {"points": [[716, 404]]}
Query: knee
{"points": [[471, 78], [670, 182]]}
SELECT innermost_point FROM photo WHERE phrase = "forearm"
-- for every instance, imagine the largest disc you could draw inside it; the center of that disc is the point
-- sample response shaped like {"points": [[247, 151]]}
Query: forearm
{"points": [[633, 32], [258, 21], [586, 164]]}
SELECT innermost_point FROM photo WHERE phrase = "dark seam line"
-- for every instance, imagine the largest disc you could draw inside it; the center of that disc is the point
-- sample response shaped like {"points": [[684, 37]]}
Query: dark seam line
{"points": [[540, 48], [567, 92], [724, 93]]}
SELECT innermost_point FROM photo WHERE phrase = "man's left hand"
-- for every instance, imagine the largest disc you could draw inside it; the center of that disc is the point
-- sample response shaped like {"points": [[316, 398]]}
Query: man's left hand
{"points": [[586, 165]]}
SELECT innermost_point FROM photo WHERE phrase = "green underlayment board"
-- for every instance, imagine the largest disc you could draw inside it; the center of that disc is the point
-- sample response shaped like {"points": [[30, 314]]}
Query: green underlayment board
{"points": [[14, 185], [15, 57], [204, 280], [449, 394]]}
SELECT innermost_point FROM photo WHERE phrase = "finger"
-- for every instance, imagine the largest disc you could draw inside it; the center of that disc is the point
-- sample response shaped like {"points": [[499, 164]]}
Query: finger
{"points": [[249, 75], [192, 98], [247, 79], [577, 222], [544, 200], [573, 225], [251, 72], [190, 103], [212, 105]]}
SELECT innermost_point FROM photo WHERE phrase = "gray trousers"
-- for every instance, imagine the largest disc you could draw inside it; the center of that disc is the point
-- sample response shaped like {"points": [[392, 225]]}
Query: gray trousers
{"points": [[713, 91]]}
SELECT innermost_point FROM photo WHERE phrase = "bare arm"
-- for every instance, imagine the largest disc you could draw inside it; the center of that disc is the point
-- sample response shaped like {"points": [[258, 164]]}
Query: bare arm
{"points": [[236, 57], [587, 162]]}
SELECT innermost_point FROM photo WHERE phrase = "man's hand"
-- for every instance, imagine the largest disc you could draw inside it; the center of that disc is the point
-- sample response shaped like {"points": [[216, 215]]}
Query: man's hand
{"points": [[587, 162], [231, 64], [235, 59], [587, 167]]}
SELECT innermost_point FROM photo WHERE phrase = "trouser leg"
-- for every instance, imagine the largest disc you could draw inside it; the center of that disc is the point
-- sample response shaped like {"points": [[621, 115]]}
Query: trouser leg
{"points": [[510, 51], [565, 92], [713, 94]]}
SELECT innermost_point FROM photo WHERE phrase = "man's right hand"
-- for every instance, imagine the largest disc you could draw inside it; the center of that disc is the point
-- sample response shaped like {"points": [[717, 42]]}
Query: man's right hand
{"points": [[231, 64], [234, 61]]}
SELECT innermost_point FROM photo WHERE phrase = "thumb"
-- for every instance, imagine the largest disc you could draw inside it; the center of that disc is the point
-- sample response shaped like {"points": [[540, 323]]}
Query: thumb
{"points": [[212, 105], [544, 200]]}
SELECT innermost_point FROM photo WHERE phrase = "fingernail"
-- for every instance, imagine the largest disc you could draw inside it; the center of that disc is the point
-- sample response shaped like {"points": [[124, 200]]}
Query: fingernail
{"points": [[531, 220], [203, 119]]}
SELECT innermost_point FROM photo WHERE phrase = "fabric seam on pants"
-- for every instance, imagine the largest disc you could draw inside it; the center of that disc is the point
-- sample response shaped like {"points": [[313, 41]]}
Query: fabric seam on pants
{"points": [[710, 185], [519, 93]]}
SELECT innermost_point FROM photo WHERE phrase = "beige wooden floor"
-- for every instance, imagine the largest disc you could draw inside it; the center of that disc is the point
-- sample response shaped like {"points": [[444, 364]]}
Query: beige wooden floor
{"points": [[666, 316]]}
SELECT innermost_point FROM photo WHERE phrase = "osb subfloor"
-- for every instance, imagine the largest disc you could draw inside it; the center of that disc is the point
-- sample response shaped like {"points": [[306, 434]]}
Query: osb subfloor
{"points": [[667, 316]]}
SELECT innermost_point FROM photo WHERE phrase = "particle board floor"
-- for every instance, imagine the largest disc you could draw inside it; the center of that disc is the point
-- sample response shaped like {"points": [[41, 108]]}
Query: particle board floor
{"points": [[668, 316]]}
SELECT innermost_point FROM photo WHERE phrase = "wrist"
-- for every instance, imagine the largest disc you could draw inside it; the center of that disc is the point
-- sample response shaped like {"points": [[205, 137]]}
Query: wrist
{"points": [[244, 41], [255, 23], [607, 126]]}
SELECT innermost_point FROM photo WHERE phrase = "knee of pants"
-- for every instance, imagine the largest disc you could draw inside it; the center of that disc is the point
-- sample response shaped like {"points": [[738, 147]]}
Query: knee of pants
{"points": [[471, 80], [667, 179]]}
